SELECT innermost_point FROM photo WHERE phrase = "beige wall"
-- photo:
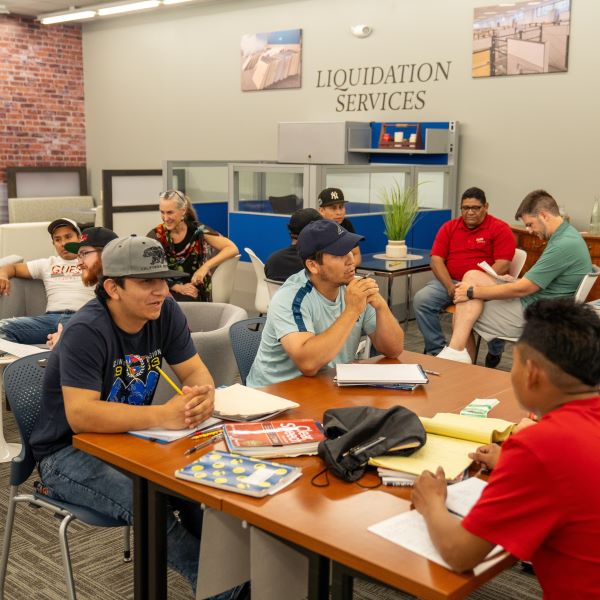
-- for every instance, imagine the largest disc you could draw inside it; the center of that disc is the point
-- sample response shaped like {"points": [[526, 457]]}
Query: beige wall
{"points": [[167, 85]]}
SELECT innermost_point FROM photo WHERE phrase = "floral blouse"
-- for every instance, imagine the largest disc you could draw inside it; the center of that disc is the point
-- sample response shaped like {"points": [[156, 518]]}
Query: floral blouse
{"points": [[189, 254]]}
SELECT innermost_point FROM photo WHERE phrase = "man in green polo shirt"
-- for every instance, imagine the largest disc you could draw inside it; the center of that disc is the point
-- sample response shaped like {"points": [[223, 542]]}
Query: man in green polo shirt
{"points": [[497, 310]]}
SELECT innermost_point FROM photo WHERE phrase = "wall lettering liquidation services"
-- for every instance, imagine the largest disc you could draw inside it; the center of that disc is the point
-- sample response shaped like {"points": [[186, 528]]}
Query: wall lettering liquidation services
{"points": [[343, 80]]}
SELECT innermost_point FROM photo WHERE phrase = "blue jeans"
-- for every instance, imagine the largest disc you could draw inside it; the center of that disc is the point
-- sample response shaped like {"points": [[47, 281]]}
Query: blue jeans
{"points": [[428, 303], [33, 330], [77, 477]]}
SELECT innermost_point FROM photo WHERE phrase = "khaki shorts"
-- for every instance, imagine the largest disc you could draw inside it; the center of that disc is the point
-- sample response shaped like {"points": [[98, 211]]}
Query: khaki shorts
{"points": [[500, 318]]}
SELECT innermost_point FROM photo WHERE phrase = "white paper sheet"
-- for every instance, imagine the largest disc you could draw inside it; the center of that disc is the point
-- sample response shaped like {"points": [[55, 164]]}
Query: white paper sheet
{"points": [[19, 350], [462, 496], [409, 530]]}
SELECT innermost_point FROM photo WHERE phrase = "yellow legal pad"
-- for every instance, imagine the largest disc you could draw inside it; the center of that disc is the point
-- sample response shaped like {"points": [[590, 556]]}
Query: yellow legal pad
{"points": [[450, 439]]}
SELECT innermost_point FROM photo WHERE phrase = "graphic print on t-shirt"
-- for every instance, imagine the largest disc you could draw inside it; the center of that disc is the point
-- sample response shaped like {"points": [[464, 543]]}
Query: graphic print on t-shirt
{"points": [[135, 378], [65, 271]]}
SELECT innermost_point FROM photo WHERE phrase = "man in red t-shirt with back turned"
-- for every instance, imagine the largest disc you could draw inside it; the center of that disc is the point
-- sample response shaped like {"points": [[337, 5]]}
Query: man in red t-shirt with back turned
{"points": [[459, 245], [542, 500]]}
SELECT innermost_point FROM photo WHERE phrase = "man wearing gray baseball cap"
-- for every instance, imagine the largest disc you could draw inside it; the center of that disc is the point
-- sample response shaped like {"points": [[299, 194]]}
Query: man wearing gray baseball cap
{"points": [[102, 376], [318, 316]]}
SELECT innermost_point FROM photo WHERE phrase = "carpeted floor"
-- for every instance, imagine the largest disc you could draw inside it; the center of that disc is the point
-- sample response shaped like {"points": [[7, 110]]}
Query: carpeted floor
{"points": [[35, 569]]}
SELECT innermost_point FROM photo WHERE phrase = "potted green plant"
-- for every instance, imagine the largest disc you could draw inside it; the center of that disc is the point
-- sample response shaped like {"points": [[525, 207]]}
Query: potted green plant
{"points": [[400, 206]]}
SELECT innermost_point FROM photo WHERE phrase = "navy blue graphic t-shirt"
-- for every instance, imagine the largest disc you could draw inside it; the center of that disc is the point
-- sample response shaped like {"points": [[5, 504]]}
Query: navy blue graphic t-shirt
{"points": [[94, 354]]}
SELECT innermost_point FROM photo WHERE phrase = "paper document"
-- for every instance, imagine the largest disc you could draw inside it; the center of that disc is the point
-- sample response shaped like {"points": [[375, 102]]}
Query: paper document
{"points": [[373, 374], [463, 496], [486, 267], [165, 436], [238, 402], [409, 530], [19, 350]]}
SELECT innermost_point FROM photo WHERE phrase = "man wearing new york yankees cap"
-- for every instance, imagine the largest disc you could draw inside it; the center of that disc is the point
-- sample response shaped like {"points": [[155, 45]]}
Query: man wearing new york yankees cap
{"points": [[101, 378], [317, 317]]}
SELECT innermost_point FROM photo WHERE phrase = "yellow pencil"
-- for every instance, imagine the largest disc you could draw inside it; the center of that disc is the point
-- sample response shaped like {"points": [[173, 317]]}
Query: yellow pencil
{"points": [[169, 381]]}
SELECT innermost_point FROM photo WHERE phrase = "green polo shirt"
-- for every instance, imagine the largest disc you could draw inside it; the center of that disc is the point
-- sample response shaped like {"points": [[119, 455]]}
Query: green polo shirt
{"points": [[561, 267]]}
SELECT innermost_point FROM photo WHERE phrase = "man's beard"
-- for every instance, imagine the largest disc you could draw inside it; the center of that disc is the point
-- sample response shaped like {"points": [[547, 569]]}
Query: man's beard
{"points": [[91, 275]]}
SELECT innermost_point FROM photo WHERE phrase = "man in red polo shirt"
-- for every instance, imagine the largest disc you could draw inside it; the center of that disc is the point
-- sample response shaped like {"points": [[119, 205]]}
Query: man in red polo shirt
{"points": [[460, 244], [542, 500]]}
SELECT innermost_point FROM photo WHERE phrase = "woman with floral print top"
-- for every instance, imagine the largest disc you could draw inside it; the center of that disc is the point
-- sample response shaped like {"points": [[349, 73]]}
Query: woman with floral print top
{"points": [[190, 246]]}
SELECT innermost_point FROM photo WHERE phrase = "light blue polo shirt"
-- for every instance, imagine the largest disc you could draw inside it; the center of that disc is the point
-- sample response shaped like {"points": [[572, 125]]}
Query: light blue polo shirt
{"points": [[298, 307]]}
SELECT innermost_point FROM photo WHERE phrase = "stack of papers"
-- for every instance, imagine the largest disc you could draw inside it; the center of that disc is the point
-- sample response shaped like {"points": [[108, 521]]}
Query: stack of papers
{"points": [[240, 403], [398, 376], [164, 436]]}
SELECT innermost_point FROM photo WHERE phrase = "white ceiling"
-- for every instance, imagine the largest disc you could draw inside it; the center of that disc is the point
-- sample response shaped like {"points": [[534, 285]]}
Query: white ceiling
{"points": [[37, 7]]}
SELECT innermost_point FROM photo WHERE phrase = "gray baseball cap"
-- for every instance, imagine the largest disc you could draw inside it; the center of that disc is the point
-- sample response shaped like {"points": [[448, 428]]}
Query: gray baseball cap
{"points": [[137, 257]]}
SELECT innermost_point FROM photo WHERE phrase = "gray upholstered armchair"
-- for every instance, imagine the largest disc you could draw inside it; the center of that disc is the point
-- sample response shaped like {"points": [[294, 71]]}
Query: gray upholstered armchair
{"points": [[209, 323]]}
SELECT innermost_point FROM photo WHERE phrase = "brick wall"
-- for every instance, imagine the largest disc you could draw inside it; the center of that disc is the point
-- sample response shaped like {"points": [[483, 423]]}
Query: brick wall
{"points": [[42, 121]]}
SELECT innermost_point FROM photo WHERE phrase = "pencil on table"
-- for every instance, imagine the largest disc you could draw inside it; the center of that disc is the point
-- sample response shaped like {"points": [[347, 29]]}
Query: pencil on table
{"points": [[169, 381]]}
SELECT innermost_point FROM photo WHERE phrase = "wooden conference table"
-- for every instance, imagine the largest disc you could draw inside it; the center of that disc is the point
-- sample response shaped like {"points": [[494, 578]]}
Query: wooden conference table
{"points": [[330, 523]]}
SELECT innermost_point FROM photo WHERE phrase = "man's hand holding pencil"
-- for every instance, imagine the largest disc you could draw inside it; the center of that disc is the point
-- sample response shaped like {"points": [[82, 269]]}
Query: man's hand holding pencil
{"points": [[189, 407]]}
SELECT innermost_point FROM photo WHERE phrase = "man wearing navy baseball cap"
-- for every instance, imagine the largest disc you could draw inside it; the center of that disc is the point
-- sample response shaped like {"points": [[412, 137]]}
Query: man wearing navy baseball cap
{"points": [[318, 316]]}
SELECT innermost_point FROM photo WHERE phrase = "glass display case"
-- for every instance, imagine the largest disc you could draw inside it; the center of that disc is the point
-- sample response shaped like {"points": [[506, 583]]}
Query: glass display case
{"points": [[268, 188]]}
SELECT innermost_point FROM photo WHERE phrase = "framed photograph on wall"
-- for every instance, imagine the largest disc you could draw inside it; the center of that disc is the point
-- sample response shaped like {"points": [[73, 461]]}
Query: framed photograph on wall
{"points": [[272, 60], [521, 38]]}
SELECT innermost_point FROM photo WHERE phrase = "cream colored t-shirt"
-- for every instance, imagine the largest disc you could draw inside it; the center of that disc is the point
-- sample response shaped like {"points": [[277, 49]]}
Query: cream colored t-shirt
{"points": [[62, 280]]}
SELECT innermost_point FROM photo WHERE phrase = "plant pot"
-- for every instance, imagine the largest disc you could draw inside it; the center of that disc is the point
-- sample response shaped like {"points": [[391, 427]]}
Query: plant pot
{"points": [[396, 248]]}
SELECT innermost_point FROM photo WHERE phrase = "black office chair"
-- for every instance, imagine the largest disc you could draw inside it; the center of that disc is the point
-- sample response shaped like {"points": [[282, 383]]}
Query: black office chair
{"points": [[23, 385], [245, 339], [285, 205]]}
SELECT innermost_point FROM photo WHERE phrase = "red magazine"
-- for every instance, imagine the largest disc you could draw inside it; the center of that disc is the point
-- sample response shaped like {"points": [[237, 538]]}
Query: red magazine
{"points": [[284, 437]]}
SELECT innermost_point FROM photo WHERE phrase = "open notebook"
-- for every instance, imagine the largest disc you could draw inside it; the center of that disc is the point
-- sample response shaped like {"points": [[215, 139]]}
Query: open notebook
{"points": [[450, 439]]}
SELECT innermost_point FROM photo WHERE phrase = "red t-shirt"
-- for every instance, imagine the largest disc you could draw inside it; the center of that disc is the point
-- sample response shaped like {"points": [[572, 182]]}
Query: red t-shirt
{"points": [[462, 248], [543, 501]]}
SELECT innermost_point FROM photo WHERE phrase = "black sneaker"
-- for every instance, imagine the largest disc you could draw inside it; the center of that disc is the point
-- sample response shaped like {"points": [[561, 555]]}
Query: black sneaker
{"points": [[492, 360]]}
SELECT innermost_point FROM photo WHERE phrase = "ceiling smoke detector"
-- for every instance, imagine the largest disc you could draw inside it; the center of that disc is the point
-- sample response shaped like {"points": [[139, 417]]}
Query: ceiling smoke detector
{"points": [[4, 10]]}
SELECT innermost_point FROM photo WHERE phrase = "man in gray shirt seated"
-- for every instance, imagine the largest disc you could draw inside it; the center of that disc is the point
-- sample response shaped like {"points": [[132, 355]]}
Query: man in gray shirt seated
{"points": [[317, 317]]}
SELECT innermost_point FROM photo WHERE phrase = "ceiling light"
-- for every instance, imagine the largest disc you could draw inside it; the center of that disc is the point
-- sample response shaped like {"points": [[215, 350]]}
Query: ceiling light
{"points": [[123, 8], [175, 1], [68, 16]]}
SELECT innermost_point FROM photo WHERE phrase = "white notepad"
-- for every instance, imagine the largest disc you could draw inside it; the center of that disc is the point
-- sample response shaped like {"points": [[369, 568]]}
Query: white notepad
{"points": [[240, 403], [376, 374]]}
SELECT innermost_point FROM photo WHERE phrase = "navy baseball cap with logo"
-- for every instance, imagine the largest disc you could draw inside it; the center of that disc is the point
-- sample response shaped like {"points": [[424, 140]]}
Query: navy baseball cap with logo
{"points": [[326, 236], [97, 237], [137, 257], [331, 196]]}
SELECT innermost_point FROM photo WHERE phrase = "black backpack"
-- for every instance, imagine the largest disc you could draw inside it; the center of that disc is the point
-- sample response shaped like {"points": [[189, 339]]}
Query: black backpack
{"points": [[358, 433]]}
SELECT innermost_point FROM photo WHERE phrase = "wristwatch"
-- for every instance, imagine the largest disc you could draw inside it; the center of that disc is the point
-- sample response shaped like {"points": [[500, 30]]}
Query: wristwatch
{"points": [[470, 293]]}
